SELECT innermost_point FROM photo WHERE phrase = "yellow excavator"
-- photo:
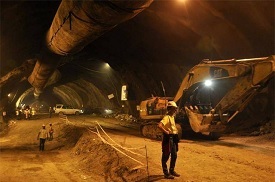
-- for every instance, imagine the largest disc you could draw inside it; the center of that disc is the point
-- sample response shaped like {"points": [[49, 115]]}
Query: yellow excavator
{"points": [[211, 94]]}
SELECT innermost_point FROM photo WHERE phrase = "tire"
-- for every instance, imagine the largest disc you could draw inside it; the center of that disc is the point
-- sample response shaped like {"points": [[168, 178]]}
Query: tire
{"points": [[61, 113], [77, 113]]}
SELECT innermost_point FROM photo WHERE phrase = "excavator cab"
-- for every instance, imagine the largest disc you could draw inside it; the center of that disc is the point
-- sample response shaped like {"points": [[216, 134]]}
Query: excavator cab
{"points": [[151, 111], [154, 107], [214, 92], [198, 103]]}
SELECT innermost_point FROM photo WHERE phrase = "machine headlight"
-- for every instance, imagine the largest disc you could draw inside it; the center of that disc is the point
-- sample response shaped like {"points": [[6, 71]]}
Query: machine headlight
{"points": [[208, 83], [108, 111]]}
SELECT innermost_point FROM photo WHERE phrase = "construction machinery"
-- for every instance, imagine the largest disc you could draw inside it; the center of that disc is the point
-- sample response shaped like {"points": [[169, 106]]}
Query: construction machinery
{"points": [[211, 94]]}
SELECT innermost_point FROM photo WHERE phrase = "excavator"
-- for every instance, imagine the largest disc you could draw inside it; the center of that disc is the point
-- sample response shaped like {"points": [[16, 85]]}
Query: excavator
{"points": [[211, 94]]}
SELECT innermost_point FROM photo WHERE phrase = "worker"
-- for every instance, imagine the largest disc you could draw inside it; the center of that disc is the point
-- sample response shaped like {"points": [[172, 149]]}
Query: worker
{"points": [[170, 141], [17, 112], [51, 132], [42, 135], [27, 112], [50, 111], [4, 114]]}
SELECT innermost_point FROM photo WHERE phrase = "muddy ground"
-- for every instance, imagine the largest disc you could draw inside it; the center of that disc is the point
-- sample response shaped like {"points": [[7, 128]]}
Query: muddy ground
{"points": [[82, 151]]}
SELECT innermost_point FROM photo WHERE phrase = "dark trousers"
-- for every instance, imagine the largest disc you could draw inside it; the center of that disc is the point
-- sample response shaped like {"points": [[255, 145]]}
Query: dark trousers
{"points": [[51, 136], [42, 143], [169, 148]]}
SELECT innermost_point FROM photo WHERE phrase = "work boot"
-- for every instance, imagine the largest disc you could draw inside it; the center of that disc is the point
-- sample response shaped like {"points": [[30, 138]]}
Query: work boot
{"points": [[173, 173], [168, 176]]}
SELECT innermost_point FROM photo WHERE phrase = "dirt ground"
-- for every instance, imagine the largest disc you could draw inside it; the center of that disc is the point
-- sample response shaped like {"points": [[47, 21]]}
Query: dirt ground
{"points": [[82, 151]]}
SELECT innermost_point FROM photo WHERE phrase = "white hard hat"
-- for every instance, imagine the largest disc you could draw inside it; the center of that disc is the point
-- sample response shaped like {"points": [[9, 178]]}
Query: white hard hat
{"points": [[171, 104]]}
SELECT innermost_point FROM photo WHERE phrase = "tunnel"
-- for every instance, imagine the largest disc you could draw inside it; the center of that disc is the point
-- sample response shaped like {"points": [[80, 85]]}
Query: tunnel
{"points": [[148, 50]]}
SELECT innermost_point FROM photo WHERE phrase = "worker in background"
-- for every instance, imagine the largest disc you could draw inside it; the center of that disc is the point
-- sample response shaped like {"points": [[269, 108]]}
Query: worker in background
{"points": [[4, 114], [170, 141], [42, 135], [50, 111], [51, 132], [27, 112], [17, 112]]}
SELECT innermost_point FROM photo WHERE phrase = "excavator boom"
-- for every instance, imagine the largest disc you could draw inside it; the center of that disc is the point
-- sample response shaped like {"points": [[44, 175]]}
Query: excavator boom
{"points": [[235, 83]]}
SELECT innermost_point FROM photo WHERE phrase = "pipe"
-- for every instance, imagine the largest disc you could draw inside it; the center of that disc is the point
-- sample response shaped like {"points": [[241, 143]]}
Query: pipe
{"points": [[19, 73], [78, 23], [43, 70]]}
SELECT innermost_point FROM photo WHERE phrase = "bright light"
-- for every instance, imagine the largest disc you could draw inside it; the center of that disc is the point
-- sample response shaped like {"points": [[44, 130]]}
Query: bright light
{"points": [[208, 83], [182, 1], [107, 65], [9, 95], [108, 111]]}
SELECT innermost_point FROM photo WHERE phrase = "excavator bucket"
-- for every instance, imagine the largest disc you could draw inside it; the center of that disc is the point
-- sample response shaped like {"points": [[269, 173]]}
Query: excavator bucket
{"points": [[203, 122]]}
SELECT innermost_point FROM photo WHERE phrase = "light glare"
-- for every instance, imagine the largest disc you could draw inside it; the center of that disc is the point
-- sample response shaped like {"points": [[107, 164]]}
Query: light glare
{"points": [[107, 65], [208, 83]]}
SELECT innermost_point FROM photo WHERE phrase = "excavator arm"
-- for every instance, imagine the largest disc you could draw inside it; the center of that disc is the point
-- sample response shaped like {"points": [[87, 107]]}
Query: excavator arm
{"points": [[234, 84]]}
